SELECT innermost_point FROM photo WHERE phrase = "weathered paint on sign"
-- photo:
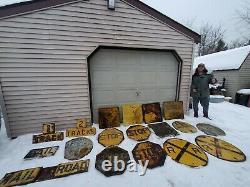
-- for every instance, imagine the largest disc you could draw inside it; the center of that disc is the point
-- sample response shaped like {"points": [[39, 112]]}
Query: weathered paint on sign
{"points": [[138, 132], [149, 151], [109, 117], [110, 137], [81, 123], [151, 112], [220, 148], [58, 136], [173, 110], [77, 148], [111, 154], [20, 177], [210, 129], [163, 129], [75, 132], [42, 152], [49, 128], [132, 114], [63, 170], [184, 127], [185, 152]]}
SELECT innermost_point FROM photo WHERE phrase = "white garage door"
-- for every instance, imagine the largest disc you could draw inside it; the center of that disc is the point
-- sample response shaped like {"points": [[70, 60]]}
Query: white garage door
{"points": [[121, 76]]}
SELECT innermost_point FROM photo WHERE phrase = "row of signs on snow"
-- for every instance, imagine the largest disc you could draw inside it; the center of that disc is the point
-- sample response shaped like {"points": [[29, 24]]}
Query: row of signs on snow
{"points": [[179, 150]]}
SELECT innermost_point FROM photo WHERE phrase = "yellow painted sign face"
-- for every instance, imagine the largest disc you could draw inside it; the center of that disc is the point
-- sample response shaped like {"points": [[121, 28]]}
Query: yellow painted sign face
{"points": [[109, 117], [42, 152], [58, 136], [20, 177], [184, 127], [138, 132], [173, 110], [185, 152], [81, 123], [110, 137], [220, 149], [70, 168], [132, 114], [76, 132], [49, 128]]}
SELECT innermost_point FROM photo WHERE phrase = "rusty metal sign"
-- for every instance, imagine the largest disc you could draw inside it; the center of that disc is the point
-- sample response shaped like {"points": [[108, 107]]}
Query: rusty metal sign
{"points": [[132, 114], [220, 149], [173, 110], [20, 177], [210, 129], [184, 127], [63, 170], [110, 137], [81, 123], [138, 132], [49, 128], [108, 162], [58, 136], [76, 132], [163, 129], [151, 112], [185, 152], [77, 148], [149, 152], [42, 152], [109, 117]]}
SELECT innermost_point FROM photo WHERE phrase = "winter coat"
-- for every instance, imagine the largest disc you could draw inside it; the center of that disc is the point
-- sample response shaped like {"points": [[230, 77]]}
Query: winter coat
{"points": [[201, 84]]}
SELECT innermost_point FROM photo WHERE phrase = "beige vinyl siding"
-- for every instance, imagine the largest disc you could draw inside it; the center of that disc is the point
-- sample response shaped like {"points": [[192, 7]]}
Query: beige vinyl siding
{"points": [[43, 58], [244, 74]]}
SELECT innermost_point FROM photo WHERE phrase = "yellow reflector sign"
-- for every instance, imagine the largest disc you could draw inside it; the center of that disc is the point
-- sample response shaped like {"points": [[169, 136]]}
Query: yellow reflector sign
{"points": [[132, 114], [138, 132], [184, 127], [185, 152], [110, 137], [220, 148], [81, 123]]}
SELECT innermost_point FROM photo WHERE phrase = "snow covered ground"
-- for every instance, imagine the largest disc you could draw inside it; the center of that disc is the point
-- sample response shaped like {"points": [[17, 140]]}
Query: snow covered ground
{"points": [[233, 119]]}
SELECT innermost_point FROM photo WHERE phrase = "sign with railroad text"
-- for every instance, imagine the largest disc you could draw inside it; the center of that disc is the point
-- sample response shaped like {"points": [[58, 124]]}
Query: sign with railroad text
{"points": [[41, 152], [49, 128], [132, 114], [173, 110], [138, 132], [58, 136], [76, 132], [110, 137], [81, 123]]}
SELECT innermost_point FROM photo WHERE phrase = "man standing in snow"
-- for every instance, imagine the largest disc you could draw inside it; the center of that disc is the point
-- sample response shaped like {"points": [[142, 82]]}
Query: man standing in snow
{"points": [[200, 89]]}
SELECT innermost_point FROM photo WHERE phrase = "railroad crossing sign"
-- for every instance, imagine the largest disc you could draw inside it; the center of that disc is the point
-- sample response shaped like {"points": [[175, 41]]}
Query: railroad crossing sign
{"points": [[20, 177], [132, 114], [163, 129], [184, 127], [114, 156], [210, 129], [138, 132], [185, 152], [173, 110], [77, 148], [220, 148], [109, 117], [151, 152], [110, 137], [41, 152], [151, 112], [81, 129]]}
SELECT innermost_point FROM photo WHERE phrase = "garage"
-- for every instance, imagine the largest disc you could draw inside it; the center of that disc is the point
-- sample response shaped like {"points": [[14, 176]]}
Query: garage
{"points": [[121, 76]]}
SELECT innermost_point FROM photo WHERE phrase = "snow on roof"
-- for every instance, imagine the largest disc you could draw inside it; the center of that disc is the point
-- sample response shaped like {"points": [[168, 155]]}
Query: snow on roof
{"points": [[9, 2], [225, 60]]}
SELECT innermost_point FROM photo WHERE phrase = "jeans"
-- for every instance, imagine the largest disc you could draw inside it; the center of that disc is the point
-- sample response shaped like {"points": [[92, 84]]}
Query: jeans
{"points": [[204, 103]]}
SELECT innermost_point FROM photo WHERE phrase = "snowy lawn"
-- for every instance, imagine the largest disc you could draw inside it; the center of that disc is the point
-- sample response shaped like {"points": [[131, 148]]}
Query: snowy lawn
{"points": [[233, 119]]}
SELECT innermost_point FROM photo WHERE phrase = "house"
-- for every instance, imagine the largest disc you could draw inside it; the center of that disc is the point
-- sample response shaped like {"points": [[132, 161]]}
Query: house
{"points": [[233, 65], [63, 59]]}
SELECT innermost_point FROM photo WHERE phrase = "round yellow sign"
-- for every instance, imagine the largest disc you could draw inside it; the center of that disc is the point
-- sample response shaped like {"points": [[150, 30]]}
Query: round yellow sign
{"points": [[138, 132], [220, 148], [110, 137], [185, 152], [184, 127]]}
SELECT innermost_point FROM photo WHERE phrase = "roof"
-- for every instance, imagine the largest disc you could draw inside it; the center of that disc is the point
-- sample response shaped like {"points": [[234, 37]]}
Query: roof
{"points": [[225, 60], [24, 6]]}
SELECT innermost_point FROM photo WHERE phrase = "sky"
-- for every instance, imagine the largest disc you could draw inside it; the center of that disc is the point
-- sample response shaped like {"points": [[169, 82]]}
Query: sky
{"points": [[195, 13]]}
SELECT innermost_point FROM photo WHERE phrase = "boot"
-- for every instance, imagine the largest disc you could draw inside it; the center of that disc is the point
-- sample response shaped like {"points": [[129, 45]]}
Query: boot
{"points": [[206, 115], [196, 114]]}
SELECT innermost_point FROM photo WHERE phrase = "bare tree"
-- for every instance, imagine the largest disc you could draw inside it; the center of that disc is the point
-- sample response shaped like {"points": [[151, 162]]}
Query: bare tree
{"points": [[243, 15]]}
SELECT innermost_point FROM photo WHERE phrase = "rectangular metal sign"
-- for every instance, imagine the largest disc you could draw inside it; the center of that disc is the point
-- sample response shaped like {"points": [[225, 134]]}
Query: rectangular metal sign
{"points": [[41, 152], [20, 177], [109, 117], [39, 138], [132, 114], [81, 123], [49, 128], [75, 132], [173, 110]]}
